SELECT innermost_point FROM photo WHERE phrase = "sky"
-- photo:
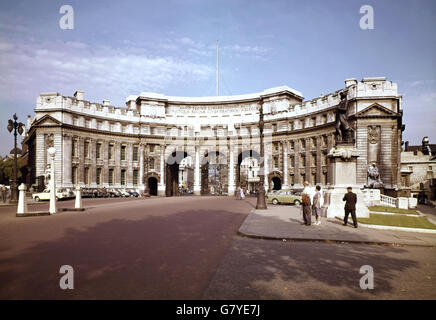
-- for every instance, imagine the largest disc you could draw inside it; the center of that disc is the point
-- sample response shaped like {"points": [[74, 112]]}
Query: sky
{"points": [[119, 48]]}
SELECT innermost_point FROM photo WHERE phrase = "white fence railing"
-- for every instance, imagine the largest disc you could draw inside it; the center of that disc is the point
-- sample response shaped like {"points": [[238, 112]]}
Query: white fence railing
{"points": [[388, 201]]}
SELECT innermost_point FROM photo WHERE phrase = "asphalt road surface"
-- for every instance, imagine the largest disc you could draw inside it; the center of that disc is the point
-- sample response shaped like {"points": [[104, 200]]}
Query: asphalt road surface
{"points": [[188, 248]]}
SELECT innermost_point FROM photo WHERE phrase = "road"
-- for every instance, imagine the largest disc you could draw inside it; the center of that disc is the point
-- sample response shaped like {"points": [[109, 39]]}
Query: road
{"points": [[188, 248]]}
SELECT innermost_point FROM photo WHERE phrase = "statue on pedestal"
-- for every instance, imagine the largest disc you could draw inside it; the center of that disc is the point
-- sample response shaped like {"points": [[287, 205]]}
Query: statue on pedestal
{"points": [[374, 180], [343, 129]]}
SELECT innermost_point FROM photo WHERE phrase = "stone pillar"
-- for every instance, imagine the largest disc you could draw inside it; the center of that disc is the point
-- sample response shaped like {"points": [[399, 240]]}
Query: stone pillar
{"points": [[78, 202], [343, 164], [22, 201], [67, 159], [141, 168], [161, 185], [197, 175], [285, 165], [265, 169], [231, 189]]}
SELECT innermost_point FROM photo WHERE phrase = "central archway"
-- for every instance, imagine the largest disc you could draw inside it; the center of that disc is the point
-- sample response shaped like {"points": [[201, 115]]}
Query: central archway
{"points": [[214, 174], [152, 186]]}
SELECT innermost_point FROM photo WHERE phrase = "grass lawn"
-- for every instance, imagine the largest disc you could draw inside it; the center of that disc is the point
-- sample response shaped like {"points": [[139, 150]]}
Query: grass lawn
{"points": [[397, 221], [392, 210]]}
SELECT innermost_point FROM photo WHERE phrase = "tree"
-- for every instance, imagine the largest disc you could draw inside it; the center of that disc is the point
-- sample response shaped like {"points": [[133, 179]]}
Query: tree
{"points": [[7, 170]]}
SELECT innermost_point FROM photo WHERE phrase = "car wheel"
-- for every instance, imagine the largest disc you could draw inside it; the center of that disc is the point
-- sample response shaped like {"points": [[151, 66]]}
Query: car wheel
{"points": [[37, 199], [57, 199], [297, 202], [275, 201]]}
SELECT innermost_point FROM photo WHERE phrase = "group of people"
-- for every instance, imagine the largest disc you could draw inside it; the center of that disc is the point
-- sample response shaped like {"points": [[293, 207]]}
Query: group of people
{"points": [[312, 202]]}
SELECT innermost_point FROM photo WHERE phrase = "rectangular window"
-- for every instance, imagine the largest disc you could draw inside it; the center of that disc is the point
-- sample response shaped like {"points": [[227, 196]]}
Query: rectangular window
{"points": [[274, 127], [135, 177], [111, 176], [123, 152], [98, 180], [324, 119], [313, 160], [303, 144], [87, 175], [313, 121], [302, 161], [151, 163], [135, 153], [291, 145], [276, 162], [98, 151], [86, 149], [111, 152], [151, 148], [74, 176], [74, 148], [123, 177], [292, 161]]}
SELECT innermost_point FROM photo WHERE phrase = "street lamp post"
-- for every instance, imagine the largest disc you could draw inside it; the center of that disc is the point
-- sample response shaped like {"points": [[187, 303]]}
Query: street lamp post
{"points": [[15, 126], [261, 203], [52, 153]]}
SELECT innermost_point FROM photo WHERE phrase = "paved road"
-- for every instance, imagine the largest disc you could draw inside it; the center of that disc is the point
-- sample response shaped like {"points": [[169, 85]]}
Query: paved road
{"points": [[121, 248], [187, 248]]}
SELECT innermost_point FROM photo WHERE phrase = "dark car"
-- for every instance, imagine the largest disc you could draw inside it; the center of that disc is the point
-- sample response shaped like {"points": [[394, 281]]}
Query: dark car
{"points": [[133, 193]]}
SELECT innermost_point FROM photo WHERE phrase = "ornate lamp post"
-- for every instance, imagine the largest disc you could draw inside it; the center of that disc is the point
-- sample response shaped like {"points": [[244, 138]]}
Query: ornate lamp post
{"points": [[261, 203], [52, 153], [15, 126]]}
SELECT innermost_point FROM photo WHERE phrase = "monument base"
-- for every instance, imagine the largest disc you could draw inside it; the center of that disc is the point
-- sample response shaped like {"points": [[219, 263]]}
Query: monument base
{"points": [[335, 205], [161, 190]]}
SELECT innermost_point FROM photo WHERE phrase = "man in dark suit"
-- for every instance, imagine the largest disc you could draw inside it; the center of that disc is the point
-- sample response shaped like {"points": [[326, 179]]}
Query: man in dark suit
{"points": [[350, 199]]}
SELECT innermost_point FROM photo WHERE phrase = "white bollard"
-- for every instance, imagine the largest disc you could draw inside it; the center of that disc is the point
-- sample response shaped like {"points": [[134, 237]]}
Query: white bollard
{"points": [[22, 200], [78, 203]]}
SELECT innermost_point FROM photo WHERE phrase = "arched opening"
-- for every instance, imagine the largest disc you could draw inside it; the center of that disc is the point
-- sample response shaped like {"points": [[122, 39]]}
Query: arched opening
{"points": [[173, 179], [247, 175], [214, 174], [152, 186], [276, 183]]}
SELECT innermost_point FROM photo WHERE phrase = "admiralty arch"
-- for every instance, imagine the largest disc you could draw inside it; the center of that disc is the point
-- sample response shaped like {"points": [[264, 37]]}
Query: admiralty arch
{"points": [[212, 142]]}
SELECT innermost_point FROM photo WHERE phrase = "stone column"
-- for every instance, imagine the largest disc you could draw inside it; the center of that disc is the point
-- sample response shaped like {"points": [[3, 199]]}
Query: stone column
{"points": [[141, 168], [197, 182], [231, 189], [285, 165], [161, 186], [66, 158]]}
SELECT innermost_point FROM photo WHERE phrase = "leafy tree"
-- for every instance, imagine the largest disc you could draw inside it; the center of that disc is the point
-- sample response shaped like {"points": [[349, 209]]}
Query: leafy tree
{"points": [[7, 170]]}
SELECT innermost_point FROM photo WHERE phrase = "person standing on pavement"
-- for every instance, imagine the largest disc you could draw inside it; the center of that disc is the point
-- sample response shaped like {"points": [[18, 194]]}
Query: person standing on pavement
{"points": [[316, 205], [306, 204], [242, 194], [3, 192], [350, 199]]}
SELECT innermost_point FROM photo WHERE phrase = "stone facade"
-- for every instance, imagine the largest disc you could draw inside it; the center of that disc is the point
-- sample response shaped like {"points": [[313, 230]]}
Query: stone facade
{"points": [[141, 145]]}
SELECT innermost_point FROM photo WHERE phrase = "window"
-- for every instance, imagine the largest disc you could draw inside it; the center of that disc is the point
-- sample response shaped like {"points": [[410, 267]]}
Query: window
{"points": [[111, 177], [274, 127], [313, 140], [151, 163], [313, 121], [98, 151], [291, 145], [302, 161], [135, 153], [100, 125], [292, 161], [313, 160], [111, 152], [324, 141], [74, 148], [74, 175], [98, 180], [135, 177], [123, 152], [123, 177], [291, 126], [303, 144], [87, 175], [87, 123], [151, 148], [86, 149], [324, 119], [276, 162]]}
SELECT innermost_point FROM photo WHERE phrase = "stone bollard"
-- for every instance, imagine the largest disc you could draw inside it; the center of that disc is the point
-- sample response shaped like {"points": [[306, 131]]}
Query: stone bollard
{"points": [[22, 200], [78, 203]]}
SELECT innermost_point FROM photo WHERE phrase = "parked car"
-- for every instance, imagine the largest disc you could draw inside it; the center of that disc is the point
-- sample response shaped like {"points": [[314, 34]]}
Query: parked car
{"points": [[45, 195], [124, 193], [133, 193], [114, 193], [285, 196]]}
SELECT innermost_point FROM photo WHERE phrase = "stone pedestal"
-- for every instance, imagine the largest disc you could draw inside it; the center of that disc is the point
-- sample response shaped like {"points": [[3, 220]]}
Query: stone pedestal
{"points": [[78, 202], [403, 203], [22, 200], [343, 159]]}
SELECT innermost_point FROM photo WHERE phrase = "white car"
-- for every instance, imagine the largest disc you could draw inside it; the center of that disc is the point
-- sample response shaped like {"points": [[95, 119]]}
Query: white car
{"points": [[45, 195]]}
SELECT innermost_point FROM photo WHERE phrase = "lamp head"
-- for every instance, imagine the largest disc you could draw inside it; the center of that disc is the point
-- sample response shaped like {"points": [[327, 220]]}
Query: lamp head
{"points": [[10, 125]]}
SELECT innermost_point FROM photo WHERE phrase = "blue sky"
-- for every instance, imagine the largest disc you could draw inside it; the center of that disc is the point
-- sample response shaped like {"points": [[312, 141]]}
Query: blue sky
{"points": [[118, 48]]}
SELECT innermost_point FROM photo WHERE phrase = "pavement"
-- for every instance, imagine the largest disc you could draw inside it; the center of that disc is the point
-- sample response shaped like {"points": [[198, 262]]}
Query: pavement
{"points": [[285, 222]]}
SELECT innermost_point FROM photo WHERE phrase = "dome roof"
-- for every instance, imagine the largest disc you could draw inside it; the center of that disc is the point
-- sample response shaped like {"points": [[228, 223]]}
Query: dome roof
{"points": [[13, 151]]}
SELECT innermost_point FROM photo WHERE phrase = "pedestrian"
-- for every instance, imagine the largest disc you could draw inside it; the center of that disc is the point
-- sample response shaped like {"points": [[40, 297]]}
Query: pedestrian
{"points": [[238, 193], [3, 191], [316, 205], [350, 199], [242, 194], [306, 203]]}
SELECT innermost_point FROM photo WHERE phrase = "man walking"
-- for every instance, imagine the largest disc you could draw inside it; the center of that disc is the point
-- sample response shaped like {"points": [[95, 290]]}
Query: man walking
{"points": [[3, 192], [306, 204], [316, 205], [350, 199]]}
